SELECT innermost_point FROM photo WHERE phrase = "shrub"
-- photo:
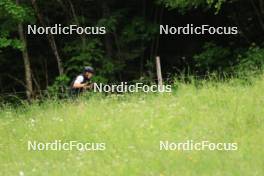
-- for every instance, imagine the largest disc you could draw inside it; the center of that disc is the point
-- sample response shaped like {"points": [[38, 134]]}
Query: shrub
{"points": [[213, 58], [252, 60], [60, 87]]}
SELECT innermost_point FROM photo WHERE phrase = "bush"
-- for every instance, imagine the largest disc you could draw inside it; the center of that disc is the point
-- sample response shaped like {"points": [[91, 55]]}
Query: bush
{"points": [[214, 58], [252, 60], [60, 87]]}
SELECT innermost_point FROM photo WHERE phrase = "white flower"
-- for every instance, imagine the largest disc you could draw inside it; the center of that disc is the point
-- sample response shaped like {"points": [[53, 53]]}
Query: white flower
{"points": [[21, 173]]}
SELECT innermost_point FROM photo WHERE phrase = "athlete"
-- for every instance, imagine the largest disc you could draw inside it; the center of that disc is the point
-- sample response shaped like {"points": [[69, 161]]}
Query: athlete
{"points": [[81, 82]]}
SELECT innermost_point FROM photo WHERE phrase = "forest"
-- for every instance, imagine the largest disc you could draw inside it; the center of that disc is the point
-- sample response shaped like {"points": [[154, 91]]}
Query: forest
{"points": [[31, 64]]}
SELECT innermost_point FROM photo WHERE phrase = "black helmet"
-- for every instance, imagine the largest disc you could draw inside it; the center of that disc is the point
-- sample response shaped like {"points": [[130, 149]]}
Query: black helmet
{"points": [[89, 69]]}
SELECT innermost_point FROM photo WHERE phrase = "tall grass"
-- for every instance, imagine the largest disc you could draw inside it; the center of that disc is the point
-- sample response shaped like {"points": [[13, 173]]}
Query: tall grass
{"points": [[132, 125]]}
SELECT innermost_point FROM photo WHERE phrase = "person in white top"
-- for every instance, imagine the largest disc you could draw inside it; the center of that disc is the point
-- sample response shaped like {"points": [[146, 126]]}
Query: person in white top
{"points": [[81, 82]]}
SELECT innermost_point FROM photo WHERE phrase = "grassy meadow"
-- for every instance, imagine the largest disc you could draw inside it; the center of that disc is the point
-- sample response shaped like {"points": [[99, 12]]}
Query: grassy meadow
{"points": [[132, 127]]}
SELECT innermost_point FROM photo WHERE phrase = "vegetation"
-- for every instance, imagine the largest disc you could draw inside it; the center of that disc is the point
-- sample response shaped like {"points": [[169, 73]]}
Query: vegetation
{"points": [[32, 63], [132, 127], [217, 87]]}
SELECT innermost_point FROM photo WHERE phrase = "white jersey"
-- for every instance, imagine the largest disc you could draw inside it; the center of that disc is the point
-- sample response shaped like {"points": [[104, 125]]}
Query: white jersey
{"points": [[79, 79]]}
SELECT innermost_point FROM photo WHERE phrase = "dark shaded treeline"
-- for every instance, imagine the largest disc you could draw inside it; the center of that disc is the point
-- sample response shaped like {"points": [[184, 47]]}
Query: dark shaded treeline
{"points": [[132, 41]]}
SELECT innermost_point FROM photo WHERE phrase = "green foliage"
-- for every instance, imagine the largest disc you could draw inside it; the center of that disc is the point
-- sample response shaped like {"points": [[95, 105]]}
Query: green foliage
{"points": [[79, 57], [251, 60], [59, 88], [91, 54], [134, 38], [181, 4], [131, 39], [240, 61], [111, 22], [15, 43], [185, 5], [128, 42], [16, 12], [11, 14], [213, 57], [138, 30]]}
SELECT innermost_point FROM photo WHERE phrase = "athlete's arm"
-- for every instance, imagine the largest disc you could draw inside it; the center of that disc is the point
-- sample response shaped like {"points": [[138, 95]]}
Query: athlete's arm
{"points": [[78, 83]]}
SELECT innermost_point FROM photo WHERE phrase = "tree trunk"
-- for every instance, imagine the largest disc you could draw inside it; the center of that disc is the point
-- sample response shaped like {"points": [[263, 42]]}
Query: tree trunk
{"points": [[28, 78], [75, 18], [50, 38], [261, 5], [158, 36], [258, 14], [107, 38], [142, 57], [46, 73], [37, 85], [238, 24], [153, 44]]}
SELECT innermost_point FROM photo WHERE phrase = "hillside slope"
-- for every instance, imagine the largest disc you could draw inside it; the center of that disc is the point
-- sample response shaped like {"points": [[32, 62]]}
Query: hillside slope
{"points": [[132, 126]]}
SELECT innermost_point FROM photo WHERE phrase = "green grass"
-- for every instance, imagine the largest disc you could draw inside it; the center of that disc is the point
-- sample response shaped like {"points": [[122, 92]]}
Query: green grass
{"points": [[132, 127]]}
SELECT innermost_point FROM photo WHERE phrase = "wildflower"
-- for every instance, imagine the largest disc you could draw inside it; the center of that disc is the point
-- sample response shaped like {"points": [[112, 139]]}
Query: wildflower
{"points": [[21, 173]]}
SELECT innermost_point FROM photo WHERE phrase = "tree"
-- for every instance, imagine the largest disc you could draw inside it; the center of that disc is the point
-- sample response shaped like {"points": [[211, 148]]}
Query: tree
{"points": [[187, 4], [18, 14], [28, 78], [50, 37]]}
